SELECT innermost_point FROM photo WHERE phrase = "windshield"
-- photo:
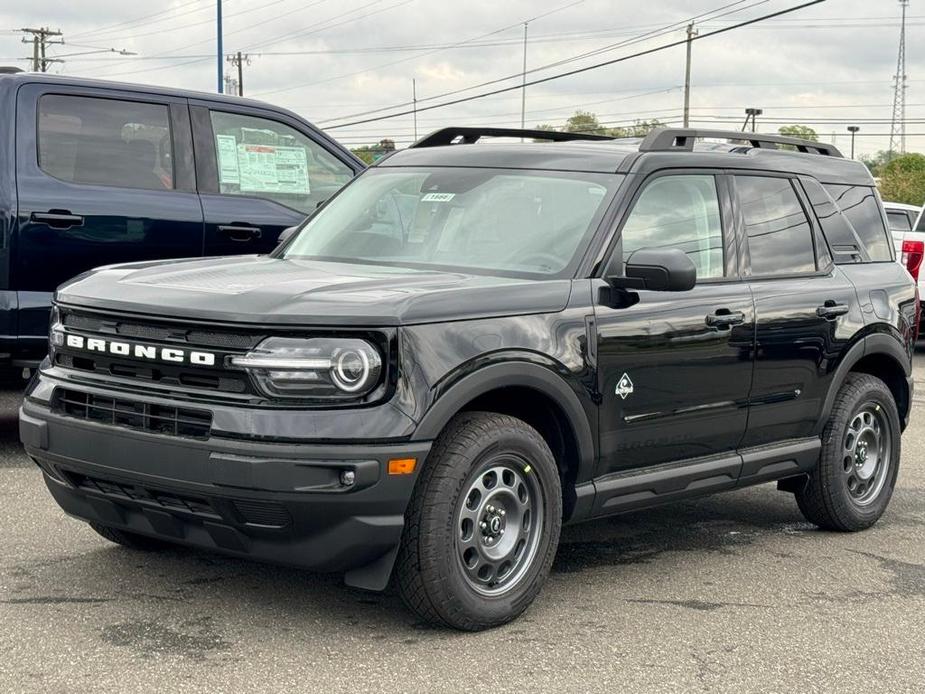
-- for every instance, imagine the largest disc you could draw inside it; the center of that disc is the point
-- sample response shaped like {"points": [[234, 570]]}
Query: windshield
{"points": [[489, 220]]}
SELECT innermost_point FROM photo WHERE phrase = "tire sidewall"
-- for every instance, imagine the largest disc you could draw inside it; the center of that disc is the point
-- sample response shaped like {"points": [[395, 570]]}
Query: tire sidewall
{"points": [[439, 529], [874, 391]]}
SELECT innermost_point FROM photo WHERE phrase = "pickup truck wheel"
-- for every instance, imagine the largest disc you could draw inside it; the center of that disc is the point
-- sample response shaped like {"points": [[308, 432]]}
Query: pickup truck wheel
{"points": [[854, 478], [483, 524], [129, 539]]}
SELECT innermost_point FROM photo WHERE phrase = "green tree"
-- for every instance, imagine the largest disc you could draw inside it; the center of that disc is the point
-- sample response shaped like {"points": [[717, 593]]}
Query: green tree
{"points": [[804, 132], [875, 162], [584, 122], [903, 179], [370, 155]]}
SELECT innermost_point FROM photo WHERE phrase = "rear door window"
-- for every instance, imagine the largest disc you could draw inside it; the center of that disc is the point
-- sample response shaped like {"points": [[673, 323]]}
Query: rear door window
{"points": [[862, 208], [268, 159], [780, 237], [106, 142]]}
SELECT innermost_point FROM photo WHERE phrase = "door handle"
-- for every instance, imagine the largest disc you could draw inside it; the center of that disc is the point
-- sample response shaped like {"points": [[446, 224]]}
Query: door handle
{"points": [[240, 232], [58, 219], [830, 310], [724, 318]]}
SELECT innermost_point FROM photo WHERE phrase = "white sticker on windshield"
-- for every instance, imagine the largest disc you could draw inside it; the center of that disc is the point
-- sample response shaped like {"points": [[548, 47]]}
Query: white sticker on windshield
{"points": [[438, 197]]}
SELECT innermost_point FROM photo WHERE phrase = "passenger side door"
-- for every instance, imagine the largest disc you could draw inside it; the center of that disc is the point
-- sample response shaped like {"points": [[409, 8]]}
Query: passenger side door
{"points": [[103, 176], [674, 368], [807, 309], [259, 174]]}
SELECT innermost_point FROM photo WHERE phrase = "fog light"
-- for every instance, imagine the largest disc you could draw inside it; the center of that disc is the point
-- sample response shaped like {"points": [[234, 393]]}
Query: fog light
{"points": [[348, 477]]}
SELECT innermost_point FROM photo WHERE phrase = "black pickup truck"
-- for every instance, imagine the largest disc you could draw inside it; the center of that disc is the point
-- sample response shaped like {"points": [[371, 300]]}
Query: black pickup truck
{"points": [[471, 344], [95, 172]]}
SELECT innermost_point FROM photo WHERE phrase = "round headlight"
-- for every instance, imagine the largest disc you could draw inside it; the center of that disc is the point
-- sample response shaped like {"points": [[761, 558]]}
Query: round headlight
{"points": [[350, 370]]}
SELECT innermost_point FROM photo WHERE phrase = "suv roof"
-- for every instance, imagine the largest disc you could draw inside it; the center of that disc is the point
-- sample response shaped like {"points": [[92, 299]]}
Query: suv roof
{"points": [[11, 80], [666, 147]]}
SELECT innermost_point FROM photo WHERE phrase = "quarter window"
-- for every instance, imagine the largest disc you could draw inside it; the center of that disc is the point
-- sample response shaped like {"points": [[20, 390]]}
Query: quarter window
{"points": [[679, 212], [267, 159], [780, 238], [860, 205], [105, 142]]}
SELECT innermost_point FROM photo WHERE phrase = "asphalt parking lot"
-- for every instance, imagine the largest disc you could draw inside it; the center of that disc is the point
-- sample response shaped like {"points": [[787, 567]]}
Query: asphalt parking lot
{"points": [[732, 593]]}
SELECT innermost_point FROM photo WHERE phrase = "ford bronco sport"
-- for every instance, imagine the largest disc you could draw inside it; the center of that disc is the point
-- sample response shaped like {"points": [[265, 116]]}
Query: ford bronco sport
{"points": [[472, 344]]}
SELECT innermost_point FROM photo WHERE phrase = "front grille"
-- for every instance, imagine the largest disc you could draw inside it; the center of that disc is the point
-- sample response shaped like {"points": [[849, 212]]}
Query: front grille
{"points": [[157, 373], [119, 491], [157, 331], [142, 416]]}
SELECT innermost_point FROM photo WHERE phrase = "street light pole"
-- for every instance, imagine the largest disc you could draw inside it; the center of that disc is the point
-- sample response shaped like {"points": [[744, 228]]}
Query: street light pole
{"points": [[751, 113], [853, 129]]}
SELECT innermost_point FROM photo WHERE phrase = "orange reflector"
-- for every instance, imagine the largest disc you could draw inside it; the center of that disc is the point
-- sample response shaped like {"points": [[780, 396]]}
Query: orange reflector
{"points": [[402, 466]]}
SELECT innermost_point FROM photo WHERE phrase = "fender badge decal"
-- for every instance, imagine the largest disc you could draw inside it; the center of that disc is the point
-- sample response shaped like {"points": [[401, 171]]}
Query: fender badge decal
{"points": [[624, 386]]}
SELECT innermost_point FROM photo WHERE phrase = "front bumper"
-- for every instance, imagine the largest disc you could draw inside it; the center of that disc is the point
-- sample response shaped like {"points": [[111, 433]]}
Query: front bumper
{"points": [[284, 503]]}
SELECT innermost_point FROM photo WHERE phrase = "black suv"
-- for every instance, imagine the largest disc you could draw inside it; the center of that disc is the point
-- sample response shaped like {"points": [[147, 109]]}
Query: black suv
{"points": [[471, 344]]}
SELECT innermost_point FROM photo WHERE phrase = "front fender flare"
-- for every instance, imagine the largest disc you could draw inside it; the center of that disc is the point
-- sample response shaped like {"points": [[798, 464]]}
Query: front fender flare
{"points": [[507, 374]]}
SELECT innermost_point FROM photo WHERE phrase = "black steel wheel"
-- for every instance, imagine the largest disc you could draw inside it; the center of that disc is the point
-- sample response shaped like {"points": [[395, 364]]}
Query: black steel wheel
{"points": [[483, 524], [854, 478]]}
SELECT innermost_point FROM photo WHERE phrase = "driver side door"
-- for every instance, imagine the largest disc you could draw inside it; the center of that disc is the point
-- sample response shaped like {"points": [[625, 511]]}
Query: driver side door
{"points": [[674, 368]]}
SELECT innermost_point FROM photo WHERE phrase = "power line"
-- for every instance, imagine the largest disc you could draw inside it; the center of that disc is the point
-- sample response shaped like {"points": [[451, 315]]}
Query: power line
{"points": [[140, 20], [586, 68], [662, 30]]}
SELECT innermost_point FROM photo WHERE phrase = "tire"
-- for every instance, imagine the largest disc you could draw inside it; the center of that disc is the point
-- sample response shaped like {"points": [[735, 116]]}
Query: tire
{"points": [[480, 470], [129, 539], [842, 493]]}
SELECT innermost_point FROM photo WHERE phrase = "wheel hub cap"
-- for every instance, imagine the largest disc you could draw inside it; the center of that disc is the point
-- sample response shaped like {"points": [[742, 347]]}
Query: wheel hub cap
{"points": [[498, 524], [867, 453]]}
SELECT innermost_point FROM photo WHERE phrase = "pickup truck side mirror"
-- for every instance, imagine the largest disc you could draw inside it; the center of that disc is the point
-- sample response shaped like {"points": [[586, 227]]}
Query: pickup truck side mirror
{"points": [[285, 234], [657, 269]]}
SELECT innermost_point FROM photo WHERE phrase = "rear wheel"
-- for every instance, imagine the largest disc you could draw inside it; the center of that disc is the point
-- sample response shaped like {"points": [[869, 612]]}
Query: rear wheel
{"points": [[483, 525], [129, 539], [854, 479]]}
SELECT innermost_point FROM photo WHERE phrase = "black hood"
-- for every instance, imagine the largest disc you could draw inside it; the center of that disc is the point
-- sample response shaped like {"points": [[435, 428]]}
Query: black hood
{"points": [[261, 289]]}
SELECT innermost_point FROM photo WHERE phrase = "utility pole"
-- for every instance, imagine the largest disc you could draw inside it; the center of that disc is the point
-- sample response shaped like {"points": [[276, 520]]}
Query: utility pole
{"points": [[238, 59], [40, 41], [687, 75], [853, 129], [219, 51], [523, 88], [898, 123], [414, 101]]}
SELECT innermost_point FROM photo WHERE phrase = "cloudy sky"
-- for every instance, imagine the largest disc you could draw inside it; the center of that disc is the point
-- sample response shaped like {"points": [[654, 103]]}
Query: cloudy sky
{"points": [[826, 66]]}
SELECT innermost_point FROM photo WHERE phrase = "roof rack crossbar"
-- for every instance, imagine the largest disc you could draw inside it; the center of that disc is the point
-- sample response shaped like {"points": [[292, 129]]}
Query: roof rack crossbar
{"points": [[468, 136], [682, 139]]}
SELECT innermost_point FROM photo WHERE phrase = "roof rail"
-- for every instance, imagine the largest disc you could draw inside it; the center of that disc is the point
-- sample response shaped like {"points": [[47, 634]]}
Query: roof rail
{"points": [[682, 139], [446, 136]]}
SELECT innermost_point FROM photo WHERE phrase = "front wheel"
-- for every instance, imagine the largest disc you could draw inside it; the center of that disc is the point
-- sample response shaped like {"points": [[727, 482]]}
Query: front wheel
{"points": [[483, 525], [853, 481]]}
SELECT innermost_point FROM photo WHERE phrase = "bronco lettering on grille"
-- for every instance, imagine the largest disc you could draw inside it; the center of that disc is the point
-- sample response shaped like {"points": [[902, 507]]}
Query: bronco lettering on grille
{"points": [[125, 349]]}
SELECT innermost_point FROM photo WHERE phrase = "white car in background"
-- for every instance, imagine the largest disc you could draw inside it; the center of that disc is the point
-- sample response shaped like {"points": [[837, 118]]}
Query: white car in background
{"points": [[908, 230]]}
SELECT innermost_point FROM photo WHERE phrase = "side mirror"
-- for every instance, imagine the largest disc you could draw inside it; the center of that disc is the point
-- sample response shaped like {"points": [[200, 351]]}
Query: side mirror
{"points": [[658, 269], [285, 234]]}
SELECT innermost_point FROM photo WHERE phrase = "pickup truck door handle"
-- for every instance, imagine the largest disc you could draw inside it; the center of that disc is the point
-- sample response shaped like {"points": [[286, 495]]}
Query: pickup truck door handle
{"points": [[830, 310], [724, 318], [58, 219], [240, 232]]}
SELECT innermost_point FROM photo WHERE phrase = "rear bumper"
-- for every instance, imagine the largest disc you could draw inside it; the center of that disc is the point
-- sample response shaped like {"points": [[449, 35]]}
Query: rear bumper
{"points": [[284, 503]]}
